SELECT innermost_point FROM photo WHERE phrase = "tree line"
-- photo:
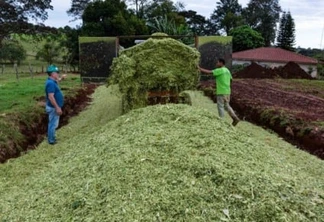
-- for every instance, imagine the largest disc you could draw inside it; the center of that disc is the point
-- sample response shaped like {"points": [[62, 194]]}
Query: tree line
{"points": [[251, 27]]}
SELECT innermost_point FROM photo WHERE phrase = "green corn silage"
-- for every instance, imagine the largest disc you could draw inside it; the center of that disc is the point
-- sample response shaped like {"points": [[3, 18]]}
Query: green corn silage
{"points": [[155, 65], [170, 162]]}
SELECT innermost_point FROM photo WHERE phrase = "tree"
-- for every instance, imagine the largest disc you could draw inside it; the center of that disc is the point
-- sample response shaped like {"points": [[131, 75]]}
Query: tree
{"points": [[226, 16], [139, 7], [77, 8], [316, 53], [196, 22], [286, 34], [111, 18], [262, 16], [281, 32], [245, 38], [15, 14], [320, 71], [12, 51], [171, 28], [50, 51], [71, 43], [161, 8]]}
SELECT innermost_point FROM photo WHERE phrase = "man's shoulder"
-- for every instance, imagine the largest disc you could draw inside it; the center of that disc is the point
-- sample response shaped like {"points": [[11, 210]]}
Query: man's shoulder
{"points": [[50, 85], [226, 70], [221, 69], [50, 81]]}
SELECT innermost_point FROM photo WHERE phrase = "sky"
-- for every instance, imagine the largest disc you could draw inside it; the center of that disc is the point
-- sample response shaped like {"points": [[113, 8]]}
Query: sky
{"points": [[308, 16]]}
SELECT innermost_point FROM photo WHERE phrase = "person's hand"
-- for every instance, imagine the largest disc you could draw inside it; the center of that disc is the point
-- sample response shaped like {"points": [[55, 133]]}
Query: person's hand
{"points": [[62, 77], [58, 110]]}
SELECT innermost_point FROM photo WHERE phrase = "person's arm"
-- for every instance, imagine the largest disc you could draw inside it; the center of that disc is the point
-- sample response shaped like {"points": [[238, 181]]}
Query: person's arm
{"points": [[62, 77], [207, 71], [54, 103]]}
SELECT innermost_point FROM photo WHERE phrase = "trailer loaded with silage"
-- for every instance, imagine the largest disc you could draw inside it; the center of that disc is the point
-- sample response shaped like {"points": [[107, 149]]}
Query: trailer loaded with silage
{"points": [[155, 71]]}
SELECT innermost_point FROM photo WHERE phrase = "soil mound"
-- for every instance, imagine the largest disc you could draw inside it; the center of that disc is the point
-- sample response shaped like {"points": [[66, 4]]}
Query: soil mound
{"points": [[290, 71], [293, 71], [256, 71]]}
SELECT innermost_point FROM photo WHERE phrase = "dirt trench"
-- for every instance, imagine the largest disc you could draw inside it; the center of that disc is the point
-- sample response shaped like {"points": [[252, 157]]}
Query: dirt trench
{"points": [[35, 133], [293, 115]]}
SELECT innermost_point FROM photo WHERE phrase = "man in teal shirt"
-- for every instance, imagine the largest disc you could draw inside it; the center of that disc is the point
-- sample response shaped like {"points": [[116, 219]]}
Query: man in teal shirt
{"points": [[223, 89]]}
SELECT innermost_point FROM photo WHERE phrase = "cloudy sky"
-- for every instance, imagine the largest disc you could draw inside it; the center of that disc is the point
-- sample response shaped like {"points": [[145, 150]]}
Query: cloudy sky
{"points": [[307, 14]]}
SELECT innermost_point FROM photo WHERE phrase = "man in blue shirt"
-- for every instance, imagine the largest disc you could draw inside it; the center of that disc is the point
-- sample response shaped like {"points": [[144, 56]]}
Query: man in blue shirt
{"points": [[54, 101]]}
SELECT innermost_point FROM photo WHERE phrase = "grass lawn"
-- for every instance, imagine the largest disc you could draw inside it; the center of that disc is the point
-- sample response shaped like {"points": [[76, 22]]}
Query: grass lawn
{"points": [[19, 95]]}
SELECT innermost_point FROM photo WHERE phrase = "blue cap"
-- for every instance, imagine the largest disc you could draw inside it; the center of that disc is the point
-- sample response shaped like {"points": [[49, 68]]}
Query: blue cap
{"points": [[52, 68]]}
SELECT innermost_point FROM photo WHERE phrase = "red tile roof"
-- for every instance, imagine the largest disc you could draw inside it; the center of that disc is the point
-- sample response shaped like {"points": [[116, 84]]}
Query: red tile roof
{"points": [[270, 54]]}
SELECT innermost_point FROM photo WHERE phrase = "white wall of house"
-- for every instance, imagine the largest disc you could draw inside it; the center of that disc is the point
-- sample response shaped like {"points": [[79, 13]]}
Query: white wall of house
{"points": [[306, 67], [309, 68]]}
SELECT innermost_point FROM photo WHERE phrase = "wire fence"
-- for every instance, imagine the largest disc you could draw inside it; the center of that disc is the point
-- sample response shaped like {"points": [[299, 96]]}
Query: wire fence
{"points": [[34, 69]]}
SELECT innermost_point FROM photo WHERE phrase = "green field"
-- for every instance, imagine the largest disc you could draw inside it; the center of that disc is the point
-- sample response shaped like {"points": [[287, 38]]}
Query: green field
{"points": [[31, 65], [20, 95]]}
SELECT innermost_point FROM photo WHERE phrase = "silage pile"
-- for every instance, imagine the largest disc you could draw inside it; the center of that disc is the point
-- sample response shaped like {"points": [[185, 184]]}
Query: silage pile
{"points": [[163, 163], [158, 64]]}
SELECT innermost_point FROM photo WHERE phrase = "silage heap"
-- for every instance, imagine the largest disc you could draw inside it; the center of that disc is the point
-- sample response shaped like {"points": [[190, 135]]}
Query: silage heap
{"points": [[170, 162], [156, 65]]}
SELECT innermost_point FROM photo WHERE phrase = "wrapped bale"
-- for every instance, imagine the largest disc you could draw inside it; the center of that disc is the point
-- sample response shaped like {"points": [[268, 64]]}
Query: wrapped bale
{"points": [[156, 65]]}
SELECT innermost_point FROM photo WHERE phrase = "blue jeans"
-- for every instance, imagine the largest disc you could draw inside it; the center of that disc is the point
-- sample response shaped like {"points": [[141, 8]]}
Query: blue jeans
{"points": [[53, 122]]}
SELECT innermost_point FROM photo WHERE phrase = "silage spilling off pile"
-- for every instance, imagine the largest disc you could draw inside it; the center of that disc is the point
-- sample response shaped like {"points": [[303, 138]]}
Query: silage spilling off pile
{"points": [[154, 65], [166, 163]]}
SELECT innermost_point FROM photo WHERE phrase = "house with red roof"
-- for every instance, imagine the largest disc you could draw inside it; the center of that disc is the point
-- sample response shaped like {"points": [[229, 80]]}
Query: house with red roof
{"points": [[275, 57]]}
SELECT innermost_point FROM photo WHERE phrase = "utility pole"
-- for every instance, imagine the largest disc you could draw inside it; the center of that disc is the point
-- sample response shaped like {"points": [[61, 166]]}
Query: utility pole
{"points": [[321, 43]]}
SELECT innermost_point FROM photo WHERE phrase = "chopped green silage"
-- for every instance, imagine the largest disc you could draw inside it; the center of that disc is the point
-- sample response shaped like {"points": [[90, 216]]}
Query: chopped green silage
{"points": [[96, 39], [155, 65], [219, 39], [161, 163]]}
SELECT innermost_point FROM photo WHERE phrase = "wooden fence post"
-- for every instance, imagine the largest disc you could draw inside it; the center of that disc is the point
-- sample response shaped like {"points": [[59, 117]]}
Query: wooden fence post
{"points": [[16, 69], [31, 71]]}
